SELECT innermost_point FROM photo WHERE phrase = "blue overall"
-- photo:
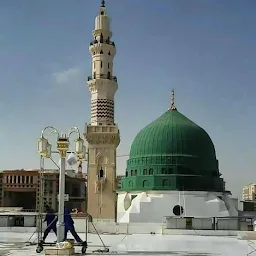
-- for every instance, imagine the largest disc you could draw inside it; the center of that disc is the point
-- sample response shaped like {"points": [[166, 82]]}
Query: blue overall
{"points": [[51, 221], [69, 226]]}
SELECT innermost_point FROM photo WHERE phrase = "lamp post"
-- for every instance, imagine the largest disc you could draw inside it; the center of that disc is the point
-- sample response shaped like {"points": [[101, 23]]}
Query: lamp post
{"points": [[45, 150]]}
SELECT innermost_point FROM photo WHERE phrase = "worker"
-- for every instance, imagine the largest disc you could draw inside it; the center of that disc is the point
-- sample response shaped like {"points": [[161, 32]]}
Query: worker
{"points": [[51, 221], [69, 226]]}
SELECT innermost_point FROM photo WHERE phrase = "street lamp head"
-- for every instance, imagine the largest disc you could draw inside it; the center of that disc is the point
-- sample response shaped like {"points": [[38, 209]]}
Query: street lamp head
{"points": [[79, 148], [49, 151], [42, 146]]}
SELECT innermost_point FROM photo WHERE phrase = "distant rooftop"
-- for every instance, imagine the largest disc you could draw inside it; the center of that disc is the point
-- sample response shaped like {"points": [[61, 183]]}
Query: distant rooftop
{"points": [[35, 170], [70, 172]]}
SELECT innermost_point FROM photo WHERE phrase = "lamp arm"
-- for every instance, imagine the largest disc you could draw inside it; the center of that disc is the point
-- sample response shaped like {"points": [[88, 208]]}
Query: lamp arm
{"points": [[74, 130], [54, 130]]}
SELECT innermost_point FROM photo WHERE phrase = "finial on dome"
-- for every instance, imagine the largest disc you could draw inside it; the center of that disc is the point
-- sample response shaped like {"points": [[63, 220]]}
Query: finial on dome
{"points": [[172, 107], [102, 3]]}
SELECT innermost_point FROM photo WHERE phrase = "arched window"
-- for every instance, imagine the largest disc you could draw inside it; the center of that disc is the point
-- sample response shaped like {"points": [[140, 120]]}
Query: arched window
{"points": [[101, 52], [108, 75], [101, 38], [101, 173], [130, 184], [131, 172], [109, 53], [135, 172], [101, 64], [150, 171], [145, 183], [163, 171], [145, 172], [126, 174]]}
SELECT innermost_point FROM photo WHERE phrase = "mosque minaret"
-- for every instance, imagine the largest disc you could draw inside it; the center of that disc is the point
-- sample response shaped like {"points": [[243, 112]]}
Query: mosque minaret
{"points": [[102, 133]]}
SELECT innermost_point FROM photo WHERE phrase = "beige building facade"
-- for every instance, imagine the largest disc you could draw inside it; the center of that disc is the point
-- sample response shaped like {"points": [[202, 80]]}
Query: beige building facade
{"points": [[21, 188], [102, 134], [249, 192]]}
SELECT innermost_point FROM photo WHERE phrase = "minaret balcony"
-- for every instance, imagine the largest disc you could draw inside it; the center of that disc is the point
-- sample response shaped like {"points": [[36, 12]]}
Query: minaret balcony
{"points": [[102, 76], [102, 42]]}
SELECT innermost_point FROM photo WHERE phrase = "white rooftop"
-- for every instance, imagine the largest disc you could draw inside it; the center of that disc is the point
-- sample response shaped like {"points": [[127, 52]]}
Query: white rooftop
{"points": [[13, 244]]}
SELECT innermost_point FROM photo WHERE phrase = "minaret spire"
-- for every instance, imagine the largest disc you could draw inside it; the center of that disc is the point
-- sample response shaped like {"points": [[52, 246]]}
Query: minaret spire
{"points": [[102, 83], [172, 107]]}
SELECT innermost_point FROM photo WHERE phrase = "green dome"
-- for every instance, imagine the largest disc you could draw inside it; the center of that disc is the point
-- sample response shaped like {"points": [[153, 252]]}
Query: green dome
{"points": [[174, 135], [172, 153]]}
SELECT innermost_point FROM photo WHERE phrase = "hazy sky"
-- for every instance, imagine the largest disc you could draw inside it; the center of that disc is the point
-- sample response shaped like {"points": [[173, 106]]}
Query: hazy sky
{"points": [[204, 49]]}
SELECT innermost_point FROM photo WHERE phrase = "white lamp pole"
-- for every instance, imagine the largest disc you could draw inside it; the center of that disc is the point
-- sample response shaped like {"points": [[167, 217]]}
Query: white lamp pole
{"points": [[44, 149]]}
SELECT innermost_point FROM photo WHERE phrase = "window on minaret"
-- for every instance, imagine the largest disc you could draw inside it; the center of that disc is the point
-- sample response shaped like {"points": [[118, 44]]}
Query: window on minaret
{"points": [[101, 52], [109, 53], [101, 38], [108, 75], [108, 65], [93, 64], [101, 64]]}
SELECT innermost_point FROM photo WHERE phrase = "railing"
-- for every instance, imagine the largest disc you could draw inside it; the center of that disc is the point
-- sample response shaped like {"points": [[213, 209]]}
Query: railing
{"points": [[102, 42], [215, 223], [19, 186], [114, 78]]}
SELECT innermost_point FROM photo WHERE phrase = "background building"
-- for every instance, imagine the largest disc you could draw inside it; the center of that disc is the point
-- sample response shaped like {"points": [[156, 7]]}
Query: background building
{"points": [[249, 199], [249, 192], [21, 188]]}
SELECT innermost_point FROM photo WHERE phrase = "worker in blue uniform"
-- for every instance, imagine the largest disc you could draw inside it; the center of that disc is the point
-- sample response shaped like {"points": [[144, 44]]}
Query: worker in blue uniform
{"points": [[51, 221], [69, 226]]}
